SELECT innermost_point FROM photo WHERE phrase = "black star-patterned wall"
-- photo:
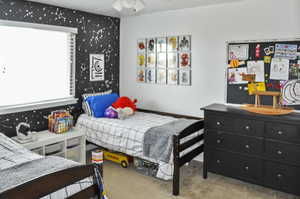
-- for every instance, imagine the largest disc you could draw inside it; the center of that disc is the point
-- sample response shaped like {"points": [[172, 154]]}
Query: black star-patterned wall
{"points": [[96, 34]]}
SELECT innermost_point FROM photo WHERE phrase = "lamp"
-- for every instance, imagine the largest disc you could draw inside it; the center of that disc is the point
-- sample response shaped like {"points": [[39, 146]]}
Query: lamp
{"points": [[135, 5]]}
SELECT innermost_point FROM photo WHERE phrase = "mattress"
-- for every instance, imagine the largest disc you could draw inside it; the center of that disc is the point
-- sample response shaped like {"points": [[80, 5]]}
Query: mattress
{"points": [[127, 136], [19, 165]]}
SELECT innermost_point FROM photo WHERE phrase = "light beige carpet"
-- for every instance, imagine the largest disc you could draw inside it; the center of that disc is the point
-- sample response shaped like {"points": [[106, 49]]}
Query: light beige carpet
{"points": [[128, 184]]}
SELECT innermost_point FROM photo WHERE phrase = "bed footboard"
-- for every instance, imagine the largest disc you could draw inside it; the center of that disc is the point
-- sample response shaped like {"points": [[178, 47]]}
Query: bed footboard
{"points": [[50, 183], [179, 161]]}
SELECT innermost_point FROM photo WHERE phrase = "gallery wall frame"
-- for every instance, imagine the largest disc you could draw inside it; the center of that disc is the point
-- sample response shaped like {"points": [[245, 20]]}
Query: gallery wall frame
{"points": [[163, 60]]}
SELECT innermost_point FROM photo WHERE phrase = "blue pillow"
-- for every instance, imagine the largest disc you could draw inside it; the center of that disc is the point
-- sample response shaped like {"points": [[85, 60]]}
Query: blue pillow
{"points": [[100, 103]]}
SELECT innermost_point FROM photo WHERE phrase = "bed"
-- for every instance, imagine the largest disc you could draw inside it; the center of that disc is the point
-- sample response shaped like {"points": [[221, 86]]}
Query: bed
{"points": [[25, 174], [127, 136]]}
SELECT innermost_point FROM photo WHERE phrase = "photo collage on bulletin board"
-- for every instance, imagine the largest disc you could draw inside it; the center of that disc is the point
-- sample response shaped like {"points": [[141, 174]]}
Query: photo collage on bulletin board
{"points": [[165, 60], [276, 65]]}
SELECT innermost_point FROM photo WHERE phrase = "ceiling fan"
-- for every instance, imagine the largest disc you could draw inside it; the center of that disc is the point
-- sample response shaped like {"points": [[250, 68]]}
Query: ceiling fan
{"points": [[135, 5]]}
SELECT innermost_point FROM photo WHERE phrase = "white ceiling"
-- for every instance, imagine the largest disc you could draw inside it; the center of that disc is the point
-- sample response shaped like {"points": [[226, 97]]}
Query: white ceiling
{"points": [[105, 6]]}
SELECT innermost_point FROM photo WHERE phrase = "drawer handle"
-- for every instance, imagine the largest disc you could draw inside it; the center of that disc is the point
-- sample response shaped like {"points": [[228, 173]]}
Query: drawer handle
{"points": [[246, 168], [279, 152], [280, 133], [247, 128], [247, 146], [219, 141], [279, 176], [218, 123], [218, 161]]}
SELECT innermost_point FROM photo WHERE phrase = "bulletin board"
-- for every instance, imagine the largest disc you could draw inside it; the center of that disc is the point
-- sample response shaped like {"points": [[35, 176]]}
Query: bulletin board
{"points": [[275, 64]]}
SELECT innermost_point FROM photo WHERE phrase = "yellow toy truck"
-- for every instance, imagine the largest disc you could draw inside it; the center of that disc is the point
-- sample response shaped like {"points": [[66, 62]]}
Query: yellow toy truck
{"points": [[119, 158]]}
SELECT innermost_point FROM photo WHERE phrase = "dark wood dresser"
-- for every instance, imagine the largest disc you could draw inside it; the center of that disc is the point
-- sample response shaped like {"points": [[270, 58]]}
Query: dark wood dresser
{"points": [[259, 149]]}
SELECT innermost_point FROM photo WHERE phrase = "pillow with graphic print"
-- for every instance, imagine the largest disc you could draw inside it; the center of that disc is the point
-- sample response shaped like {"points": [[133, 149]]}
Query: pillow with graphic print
{"points": [[85, 106], [100, 103]]}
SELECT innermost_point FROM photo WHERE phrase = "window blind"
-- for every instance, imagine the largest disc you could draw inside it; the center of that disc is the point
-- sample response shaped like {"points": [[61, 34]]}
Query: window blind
{"points": [[37, 66]]}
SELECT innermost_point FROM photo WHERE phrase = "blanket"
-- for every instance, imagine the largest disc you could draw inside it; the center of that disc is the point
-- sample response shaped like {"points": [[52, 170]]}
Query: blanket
{"points": [[19, 165], [158, 143]]}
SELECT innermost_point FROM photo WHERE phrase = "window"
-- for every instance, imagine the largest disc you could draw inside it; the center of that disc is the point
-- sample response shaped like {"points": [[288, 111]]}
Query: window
{"points": [[37, 68]]}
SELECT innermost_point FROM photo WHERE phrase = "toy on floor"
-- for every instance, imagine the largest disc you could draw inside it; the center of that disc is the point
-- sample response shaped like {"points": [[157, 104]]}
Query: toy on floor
{"points": [[125, 107], [119, 158]]}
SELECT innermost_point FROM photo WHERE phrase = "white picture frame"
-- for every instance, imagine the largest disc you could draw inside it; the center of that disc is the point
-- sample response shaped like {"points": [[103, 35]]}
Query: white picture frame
{"points": [[172, 60], [172, 44], [161, 76], [184, 43], [185, 77], [185, 60], [142, 45], [161, 44], [172, 77], [162, 60], [151, 75], [151, 45], [141, 75]]}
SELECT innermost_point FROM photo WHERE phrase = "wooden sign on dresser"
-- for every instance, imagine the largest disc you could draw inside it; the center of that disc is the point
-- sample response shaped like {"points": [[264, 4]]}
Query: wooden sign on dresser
{"points": [[260, 149]]}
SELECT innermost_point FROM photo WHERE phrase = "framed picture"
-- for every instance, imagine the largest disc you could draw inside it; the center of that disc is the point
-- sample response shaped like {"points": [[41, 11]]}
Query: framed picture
{"points": [[172, 77], [96, 67], [161, 44], [140, 75], [141, 45], [150, 75], [161, 60], [172, 44], [185, 60], [151, 60], [161, 76], [141, 59], [172, 60], [151, 45], [185, 77], [185, 43]]}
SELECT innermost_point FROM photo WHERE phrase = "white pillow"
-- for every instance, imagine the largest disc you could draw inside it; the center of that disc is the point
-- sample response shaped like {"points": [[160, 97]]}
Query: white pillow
{"points": [[85, 106]]}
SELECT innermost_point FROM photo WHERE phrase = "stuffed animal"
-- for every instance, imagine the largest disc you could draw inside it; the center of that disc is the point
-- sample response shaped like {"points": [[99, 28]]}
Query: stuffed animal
{"points": [[125, 107], [110, 112]]}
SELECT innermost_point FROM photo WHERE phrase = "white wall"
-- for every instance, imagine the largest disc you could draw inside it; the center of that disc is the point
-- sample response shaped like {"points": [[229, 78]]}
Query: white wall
{"points": [[210, 28]]}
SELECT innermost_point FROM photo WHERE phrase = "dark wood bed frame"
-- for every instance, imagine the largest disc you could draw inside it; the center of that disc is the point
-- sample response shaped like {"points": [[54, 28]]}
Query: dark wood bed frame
{"points": [[50, 183], [179, 147]]}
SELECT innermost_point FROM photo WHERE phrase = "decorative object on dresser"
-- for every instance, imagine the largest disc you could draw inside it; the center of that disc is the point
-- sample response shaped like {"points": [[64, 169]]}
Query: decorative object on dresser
{"points": [[259, 149], [276, 109], [70, 145]]}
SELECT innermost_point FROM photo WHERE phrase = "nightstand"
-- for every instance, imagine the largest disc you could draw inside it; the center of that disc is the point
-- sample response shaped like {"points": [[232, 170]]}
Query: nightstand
{"points": [[70, 145]]}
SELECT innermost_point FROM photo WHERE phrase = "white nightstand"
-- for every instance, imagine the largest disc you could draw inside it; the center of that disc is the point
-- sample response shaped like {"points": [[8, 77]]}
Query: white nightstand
{"points": [[70, 145]]}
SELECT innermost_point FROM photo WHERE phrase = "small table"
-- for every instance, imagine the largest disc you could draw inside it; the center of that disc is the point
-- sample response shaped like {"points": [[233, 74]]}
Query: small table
{"points": [[70, 145]]}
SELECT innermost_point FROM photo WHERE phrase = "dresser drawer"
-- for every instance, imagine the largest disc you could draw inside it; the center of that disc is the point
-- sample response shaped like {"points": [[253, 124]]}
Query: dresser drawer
{"points": [[218, 122], [241, 144], [282, 132], [283, 151], [249, 127], [237, 166], [283, 177]]}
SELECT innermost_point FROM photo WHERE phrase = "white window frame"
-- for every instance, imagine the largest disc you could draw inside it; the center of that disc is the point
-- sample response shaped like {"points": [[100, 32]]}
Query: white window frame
{"points": [[48, 103]]}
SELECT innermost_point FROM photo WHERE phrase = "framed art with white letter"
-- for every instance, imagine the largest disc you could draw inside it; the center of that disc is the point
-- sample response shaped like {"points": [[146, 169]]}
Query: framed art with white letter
{"points": [[96, 67]]}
